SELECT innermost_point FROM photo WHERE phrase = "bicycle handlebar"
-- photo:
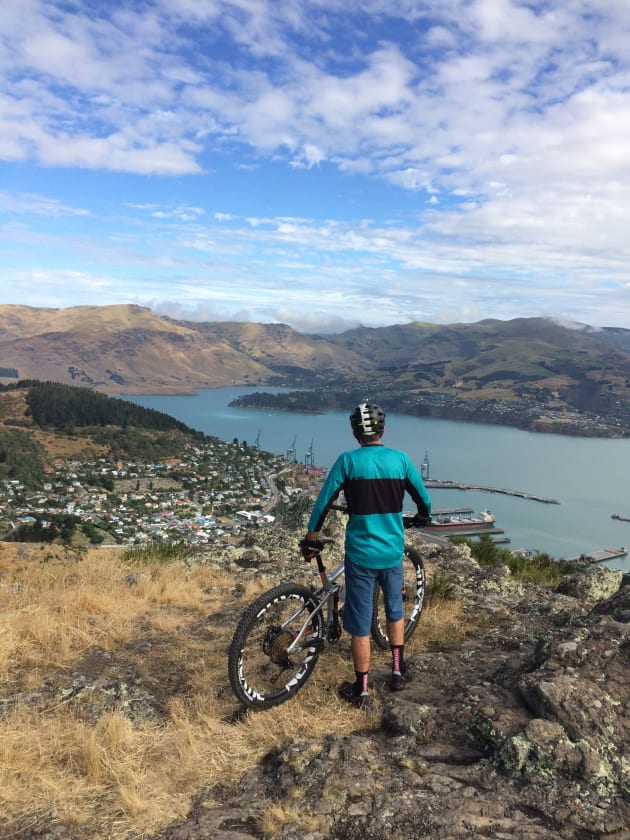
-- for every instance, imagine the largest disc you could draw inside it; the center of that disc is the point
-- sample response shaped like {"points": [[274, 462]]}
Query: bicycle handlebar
{"points": [[415, 520], [313, 548], [410, 520]]}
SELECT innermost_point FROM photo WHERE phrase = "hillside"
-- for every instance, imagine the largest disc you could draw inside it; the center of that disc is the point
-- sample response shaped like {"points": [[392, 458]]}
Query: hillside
{"points": [[531, 372], [119, 349], [40, 421], [118, 720], [85, 468]]}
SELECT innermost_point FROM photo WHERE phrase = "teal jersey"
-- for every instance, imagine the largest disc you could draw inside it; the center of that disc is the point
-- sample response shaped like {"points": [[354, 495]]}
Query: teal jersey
{"points": [[374, 480]]}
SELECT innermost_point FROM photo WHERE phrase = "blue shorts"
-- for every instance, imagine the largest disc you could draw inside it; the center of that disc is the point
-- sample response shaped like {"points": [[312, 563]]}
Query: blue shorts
{"points": [[360, 581]]}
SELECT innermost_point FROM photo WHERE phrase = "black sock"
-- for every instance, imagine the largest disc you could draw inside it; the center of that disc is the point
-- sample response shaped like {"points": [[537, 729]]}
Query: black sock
{"points": [[361, 682], [398, 659]]}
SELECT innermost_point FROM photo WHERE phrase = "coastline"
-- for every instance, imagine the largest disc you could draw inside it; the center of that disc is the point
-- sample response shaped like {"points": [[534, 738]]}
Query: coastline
{"points": [[537, 426]]}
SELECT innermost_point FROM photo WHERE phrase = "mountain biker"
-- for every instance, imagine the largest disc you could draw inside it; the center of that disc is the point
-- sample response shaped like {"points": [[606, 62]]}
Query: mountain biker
{"points": [[374, 479]]}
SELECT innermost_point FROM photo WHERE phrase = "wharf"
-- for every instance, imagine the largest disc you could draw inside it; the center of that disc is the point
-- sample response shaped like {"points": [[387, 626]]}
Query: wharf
{"points": [[601, 555], [619, 517], [477, 532], [457, 485], [462, 531]]}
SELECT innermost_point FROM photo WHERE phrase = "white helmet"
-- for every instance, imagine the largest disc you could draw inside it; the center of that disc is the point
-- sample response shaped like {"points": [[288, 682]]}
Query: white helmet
{"points": [[368, 419]]}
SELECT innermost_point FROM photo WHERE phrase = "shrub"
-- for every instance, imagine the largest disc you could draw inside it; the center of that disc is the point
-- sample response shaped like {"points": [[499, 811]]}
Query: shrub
{"points": [[539, 567], [439, 588]]}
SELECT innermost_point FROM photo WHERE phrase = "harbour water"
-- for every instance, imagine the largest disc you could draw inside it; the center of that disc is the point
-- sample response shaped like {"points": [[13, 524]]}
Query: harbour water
{"points": [[589, 477]]}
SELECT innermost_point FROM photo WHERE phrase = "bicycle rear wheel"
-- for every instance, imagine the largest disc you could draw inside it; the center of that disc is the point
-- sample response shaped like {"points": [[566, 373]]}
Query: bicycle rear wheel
{"points": [[262, 672], [413, 599]]}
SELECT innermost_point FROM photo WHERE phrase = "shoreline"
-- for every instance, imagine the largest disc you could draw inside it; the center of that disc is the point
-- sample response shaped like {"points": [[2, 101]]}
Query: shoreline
{"points": [[537, 425]]}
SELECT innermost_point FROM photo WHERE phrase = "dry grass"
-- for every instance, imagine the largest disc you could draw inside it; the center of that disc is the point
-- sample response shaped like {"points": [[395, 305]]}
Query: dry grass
{"points": [[115, 776], [67, 446]]}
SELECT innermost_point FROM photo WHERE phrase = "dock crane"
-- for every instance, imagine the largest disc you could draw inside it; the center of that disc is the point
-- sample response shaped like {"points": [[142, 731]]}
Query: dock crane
{"points": [[424, 467], [308, 455], [291, 451]]}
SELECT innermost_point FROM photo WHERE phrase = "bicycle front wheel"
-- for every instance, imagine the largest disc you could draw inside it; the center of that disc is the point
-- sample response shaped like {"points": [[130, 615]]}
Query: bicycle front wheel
{"points": [[262, 668], [413, 599]]}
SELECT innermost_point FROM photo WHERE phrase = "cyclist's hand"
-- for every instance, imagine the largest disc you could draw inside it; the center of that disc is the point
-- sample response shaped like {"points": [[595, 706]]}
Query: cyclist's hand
{"points": [[310, 548], [420, 521]]}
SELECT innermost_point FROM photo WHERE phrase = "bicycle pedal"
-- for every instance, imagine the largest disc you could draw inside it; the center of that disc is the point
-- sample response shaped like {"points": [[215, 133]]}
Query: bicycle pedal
{"points": [[334, 634]]}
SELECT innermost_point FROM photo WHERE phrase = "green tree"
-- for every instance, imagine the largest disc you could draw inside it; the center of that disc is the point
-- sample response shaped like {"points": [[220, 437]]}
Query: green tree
{"points": [[21, 457], [94, 535], [485, 551]]}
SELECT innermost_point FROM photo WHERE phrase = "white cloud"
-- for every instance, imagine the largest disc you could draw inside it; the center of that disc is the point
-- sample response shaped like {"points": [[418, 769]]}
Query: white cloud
{"points": [[418, 109], [185, 213], [31, 203], [505, 121], [118, 154]]}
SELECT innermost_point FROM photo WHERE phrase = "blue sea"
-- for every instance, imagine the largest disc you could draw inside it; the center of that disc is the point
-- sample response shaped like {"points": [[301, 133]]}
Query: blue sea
{"points": [[589, 477]]}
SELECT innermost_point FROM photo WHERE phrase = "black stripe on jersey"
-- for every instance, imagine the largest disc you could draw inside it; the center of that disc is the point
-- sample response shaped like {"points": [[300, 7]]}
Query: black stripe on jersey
{"points": [[374, 495]]}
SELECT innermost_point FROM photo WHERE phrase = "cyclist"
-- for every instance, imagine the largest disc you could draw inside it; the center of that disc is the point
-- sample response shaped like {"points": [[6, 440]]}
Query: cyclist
{"points": [[374, 479]]}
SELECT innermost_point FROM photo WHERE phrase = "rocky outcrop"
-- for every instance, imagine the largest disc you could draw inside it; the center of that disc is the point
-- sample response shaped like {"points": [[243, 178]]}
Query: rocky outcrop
{"points": [[520, 731]]}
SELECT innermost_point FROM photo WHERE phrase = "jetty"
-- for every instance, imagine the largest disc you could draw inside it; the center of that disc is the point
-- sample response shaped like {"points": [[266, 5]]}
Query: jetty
{"points": [[441, 484], [600, 556], [478, 532], [619, 517]]}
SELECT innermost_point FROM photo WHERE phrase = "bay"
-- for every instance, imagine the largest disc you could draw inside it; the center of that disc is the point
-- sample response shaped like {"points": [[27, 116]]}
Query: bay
{"points": [[589, 477]]}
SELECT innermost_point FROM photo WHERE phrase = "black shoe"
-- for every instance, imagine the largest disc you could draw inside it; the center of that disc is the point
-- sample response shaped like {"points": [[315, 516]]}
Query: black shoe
{"points": [[348, 693], [401, 679]]}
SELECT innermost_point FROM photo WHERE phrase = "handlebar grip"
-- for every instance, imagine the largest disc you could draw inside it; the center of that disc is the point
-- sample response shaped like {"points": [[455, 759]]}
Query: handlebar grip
{"points": [[416, 521], [312, 548]]}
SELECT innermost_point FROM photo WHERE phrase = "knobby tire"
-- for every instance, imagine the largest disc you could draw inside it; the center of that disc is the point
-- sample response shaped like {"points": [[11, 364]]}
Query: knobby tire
{"points": [[261, 672], [413, 599]]}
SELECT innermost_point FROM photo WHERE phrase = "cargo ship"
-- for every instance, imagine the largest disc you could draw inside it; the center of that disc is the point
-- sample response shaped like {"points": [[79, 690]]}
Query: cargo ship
{"points": [[464, 518]]}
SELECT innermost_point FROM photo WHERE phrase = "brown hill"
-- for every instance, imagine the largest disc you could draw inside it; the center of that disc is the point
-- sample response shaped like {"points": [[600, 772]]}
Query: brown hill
{"points": [[129, 349], [123, 349]]}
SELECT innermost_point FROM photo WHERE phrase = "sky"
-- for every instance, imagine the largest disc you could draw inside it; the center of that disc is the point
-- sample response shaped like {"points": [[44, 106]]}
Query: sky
{"points": [[321, 163]]}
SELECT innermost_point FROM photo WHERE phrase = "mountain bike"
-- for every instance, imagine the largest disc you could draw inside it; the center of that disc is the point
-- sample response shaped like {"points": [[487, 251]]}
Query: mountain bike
{"points": [[280, 635]]}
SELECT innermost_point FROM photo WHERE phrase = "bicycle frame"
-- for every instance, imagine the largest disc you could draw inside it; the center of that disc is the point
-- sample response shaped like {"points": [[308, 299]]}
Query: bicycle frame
{"points": [[326, 596]]}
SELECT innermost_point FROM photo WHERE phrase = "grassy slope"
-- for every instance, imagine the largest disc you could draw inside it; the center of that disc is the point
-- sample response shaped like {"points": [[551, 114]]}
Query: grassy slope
{"points": [[108, 773]]}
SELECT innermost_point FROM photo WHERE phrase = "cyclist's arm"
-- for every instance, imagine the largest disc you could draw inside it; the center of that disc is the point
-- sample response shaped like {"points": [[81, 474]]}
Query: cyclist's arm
{"points": [[327, 495]]}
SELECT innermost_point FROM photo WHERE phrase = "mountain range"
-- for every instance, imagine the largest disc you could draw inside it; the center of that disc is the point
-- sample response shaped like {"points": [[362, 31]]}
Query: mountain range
{"points": [[128, 349]]}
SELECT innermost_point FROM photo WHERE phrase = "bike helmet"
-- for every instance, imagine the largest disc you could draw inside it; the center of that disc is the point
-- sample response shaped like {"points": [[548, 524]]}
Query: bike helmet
{"points": [[367, 419]]}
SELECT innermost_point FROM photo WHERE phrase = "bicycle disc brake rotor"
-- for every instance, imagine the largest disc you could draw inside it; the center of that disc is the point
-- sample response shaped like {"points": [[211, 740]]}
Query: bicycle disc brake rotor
{"points": [[276, 643]]}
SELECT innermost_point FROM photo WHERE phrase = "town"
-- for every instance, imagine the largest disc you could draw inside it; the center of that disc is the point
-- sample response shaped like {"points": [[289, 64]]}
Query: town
{"points": [[210, 493]]}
